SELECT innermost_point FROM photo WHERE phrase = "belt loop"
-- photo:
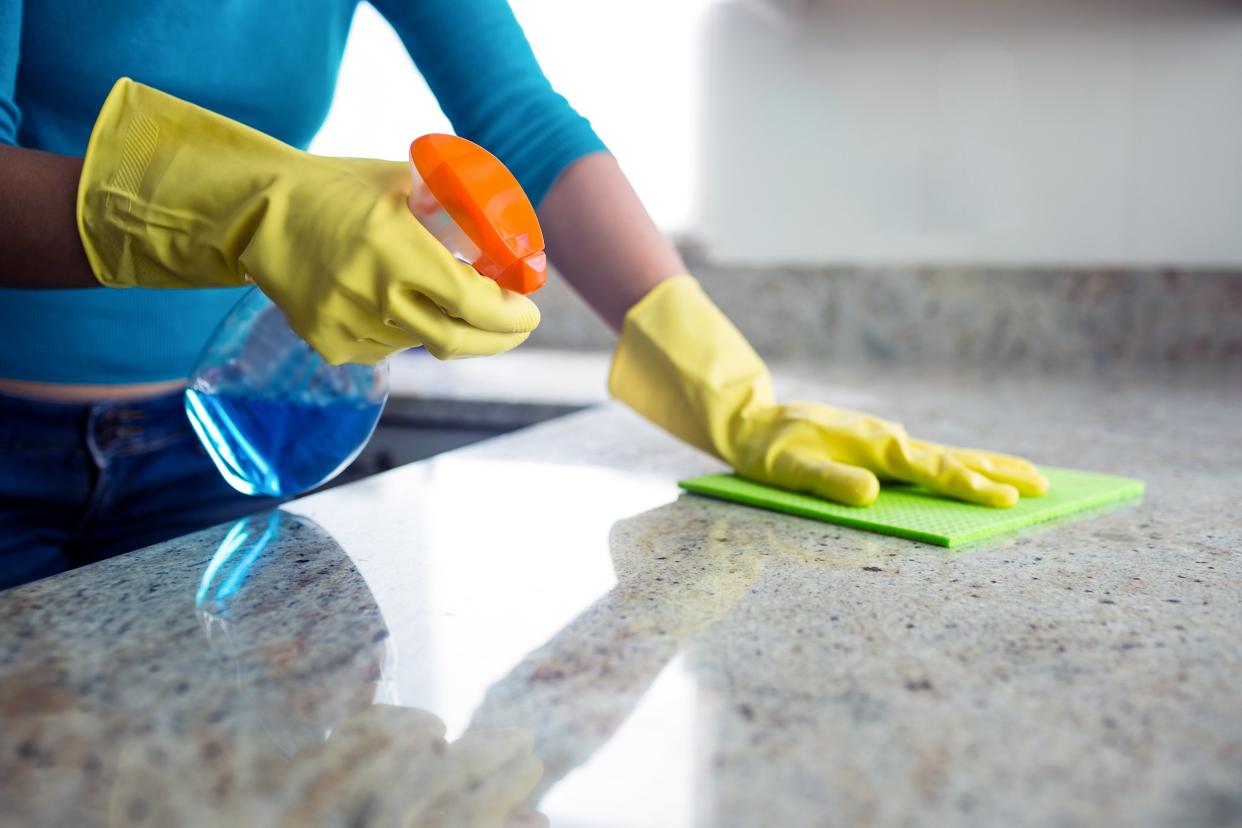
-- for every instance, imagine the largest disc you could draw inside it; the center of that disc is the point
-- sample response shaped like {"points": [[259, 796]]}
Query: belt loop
{"points": [[100, 439], [100, 432]]}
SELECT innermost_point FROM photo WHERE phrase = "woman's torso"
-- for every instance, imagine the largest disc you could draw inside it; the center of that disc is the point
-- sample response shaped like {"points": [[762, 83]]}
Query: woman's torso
{"points": [[270, 64]]}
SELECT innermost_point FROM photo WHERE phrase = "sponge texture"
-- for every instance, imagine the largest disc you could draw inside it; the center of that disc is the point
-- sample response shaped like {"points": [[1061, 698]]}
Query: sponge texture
{"points": [[912, 512]]}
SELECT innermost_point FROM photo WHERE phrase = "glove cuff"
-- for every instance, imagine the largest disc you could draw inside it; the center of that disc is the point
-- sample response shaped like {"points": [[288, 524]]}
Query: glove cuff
{"points": [[683, 365], [165, 198]]}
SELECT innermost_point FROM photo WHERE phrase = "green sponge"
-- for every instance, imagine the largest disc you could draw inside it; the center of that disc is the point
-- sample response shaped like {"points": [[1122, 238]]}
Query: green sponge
{"points": [[913, 512]]}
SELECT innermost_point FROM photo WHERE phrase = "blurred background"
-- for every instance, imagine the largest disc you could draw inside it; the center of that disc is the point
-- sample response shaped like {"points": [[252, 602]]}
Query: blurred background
{"points": [[1048, 183]]}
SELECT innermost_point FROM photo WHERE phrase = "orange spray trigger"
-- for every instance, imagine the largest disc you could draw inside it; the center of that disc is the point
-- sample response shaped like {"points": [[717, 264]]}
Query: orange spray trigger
{"points": [[496, 228]]}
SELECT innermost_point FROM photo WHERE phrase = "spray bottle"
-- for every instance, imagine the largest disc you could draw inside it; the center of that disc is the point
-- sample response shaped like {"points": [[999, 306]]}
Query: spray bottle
{"points": [[275, 417]]}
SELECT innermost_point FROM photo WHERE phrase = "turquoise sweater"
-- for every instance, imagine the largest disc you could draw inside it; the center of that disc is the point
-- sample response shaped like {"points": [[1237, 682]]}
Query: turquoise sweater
{"points": [[271, 65]]}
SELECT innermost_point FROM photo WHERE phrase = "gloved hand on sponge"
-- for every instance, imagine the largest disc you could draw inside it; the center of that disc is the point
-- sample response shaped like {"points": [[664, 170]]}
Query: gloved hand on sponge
{"points": [[684, 366]]}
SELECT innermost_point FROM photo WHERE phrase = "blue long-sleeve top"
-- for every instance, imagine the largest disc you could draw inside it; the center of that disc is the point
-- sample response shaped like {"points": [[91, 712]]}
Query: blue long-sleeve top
{"points": [[271, 65]]}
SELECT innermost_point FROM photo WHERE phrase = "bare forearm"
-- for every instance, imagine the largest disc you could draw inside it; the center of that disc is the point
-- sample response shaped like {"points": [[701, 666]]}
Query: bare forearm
{"points": [[39, 244], [599, 236], [601, 239]]}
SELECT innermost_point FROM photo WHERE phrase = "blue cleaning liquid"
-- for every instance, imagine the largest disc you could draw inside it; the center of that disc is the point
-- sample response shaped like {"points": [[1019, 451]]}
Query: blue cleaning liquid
{"points": [[279, 447]]}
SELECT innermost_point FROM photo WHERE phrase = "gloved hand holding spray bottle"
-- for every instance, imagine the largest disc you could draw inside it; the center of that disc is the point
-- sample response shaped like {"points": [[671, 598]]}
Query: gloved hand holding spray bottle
{"points": [[274, 415]]}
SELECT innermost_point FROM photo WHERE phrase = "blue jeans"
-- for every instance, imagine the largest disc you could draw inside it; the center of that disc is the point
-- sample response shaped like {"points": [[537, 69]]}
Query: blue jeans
{"points": [[80, 482]]}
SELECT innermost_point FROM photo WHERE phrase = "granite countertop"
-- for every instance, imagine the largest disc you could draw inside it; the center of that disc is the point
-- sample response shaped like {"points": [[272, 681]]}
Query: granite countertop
{"points": [[539, 628]]}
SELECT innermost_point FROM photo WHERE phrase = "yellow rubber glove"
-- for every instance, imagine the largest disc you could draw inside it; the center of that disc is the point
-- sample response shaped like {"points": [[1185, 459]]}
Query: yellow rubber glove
{"points": [[684, 366], [175, 196]]}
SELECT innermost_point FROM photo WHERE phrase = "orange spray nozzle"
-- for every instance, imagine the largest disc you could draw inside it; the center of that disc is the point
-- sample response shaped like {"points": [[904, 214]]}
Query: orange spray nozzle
{"points": [[487, 203]]}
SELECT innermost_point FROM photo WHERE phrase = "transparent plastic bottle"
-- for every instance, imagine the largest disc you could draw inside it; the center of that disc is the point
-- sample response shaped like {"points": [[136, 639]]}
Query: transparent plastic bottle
{"points": [[275, 417]]}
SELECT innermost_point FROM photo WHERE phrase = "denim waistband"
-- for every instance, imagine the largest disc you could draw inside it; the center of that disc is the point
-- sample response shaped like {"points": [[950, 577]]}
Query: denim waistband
{"points": [[110, 428]]}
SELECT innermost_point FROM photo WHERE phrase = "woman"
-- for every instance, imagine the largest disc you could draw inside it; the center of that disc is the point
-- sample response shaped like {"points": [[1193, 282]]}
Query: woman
{"points": [[134, 211]]}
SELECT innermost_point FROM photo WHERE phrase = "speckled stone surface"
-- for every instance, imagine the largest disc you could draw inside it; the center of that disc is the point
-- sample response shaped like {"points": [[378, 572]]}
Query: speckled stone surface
{"points": [[668, 660], [1030, 318]]}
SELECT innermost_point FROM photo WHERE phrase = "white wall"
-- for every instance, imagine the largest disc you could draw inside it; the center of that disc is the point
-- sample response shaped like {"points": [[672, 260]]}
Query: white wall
{"points": [[957, 131], [829, 131], [628, 65]]}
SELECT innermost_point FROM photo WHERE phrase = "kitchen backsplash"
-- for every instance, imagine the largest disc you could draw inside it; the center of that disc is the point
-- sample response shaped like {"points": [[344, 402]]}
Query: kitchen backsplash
{"points": [[1032, 318]]}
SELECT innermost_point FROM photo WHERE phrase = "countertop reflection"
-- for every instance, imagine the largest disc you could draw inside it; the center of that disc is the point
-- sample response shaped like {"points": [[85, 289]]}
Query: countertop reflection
{"points": [[540, 630]]}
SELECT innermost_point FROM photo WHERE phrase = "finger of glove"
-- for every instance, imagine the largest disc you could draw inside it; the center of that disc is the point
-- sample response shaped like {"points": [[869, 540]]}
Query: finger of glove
{"points": [[362, 323], [465, 294], [824, 477], [392, 336], [339, 346], [498, 771], [484, 751], [1022, 474], [489, 800], [412, 722], [445, 336], [951, 477]]}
